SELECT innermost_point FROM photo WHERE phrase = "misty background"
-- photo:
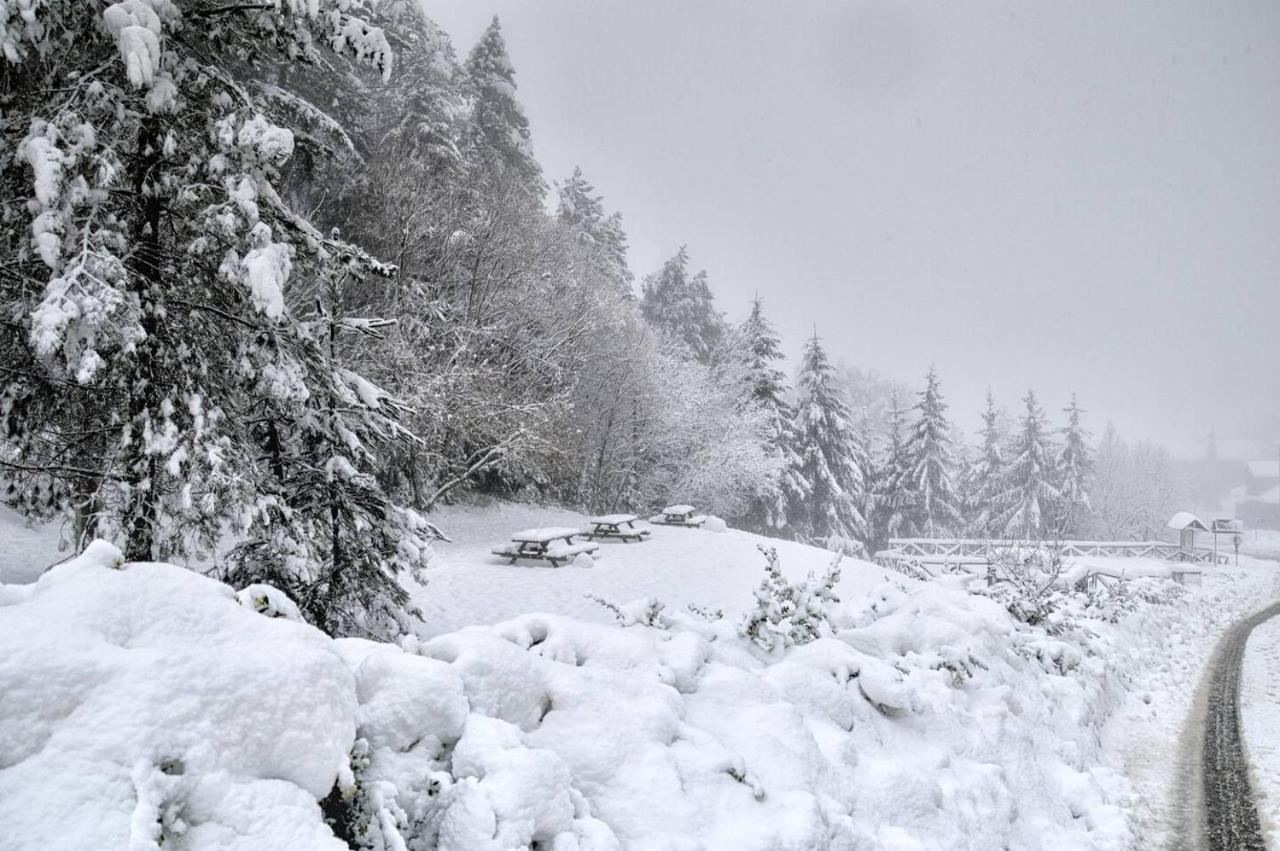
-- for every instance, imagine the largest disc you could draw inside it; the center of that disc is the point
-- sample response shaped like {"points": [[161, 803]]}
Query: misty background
{"points": [[1077, 197]]}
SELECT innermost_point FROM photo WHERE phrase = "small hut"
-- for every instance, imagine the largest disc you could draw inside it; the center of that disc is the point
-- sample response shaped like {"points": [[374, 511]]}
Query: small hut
{"points": [[1186, 525]]}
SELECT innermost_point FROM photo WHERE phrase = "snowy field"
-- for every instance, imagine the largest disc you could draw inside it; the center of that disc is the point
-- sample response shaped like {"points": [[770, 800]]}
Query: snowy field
{"points": [[1260, 718], [679, 567], [1264, 543], [522, 715]]}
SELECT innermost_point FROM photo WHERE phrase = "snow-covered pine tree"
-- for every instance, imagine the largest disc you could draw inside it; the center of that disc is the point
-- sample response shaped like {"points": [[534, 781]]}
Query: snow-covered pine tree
{"points": [[931, 465], [964, 488], [421, 107], [1030, 496], [893, 497], [498, 138], [766, 388], [1075, 466], [321, 528], [164, 381], [681, 307], [149, 249], [583, 211], [827, 451], [987, 474]]}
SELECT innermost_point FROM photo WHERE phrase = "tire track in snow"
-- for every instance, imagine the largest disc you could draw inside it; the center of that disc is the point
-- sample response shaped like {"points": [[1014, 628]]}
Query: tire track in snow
{"points": [[1218, 812]]}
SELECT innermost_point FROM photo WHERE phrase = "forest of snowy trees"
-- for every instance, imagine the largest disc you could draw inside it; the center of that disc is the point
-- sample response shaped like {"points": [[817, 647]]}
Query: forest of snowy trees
{"points": [[287, 274]]}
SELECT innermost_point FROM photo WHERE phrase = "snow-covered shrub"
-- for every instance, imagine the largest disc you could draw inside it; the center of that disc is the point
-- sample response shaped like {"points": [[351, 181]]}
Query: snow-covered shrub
{"points": [[787, 614], [1025, 579], [268, 600], [647, 611], [705, 614], [844, 545]]}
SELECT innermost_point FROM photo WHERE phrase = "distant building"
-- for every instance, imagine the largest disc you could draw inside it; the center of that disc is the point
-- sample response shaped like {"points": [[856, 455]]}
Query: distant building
{"points": [[1257, 501]]}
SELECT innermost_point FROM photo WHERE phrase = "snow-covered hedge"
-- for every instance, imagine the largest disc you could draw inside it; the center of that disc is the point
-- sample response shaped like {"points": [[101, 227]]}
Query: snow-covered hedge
{"points": [[142, 702]]}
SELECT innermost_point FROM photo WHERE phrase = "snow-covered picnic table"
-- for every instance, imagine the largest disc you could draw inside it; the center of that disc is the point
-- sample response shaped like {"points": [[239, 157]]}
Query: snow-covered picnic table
{"points": [[620, 526], [679, 515], [541, 544]]}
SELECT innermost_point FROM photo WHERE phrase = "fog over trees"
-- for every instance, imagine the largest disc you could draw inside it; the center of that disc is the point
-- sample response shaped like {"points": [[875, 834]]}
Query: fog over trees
{"points": [[298, 277]]}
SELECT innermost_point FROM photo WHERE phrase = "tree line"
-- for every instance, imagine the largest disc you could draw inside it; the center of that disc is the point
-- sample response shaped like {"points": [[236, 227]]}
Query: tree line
{"points": [[279, 279]]}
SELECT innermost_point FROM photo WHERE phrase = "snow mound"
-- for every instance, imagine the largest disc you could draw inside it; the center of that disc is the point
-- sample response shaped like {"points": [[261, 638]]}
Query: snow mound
{"points": [[147, 705], [128, 688]]}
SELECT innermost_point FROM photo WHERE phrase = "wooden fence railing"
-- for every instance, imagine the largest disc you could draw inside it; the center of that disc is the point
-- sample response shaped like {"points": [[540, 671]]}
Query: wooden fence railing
{"points": [[927, 557]]}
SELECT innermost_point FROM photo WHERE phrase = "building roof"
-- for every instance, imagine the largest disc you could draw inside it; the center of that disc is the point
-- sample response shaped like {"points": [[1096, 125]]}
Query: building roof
{"points": [[1264, 469], [1186, 520], [1271, 496]]}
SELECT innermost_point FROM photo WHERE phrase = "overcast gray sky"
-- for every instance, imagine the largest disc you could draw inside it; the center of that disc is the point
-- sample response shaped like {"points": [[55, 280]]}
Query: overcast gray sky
{"points": [[1075, 195]]}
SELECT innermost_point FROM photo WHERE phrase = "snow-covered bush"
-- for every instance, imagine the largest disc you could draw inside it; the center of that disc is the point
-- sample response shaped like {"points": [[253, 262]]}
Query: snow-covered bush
{"points": [[788, 614], [1026, 580], [647, 611]]}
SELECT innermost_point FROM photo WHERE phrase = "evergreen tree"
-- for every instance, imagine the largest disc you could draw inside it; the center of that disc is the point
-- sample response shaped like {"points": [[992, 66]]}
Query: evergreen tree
{"points": [[965, 489], [1030, 495], [893, 497], [583, 211], [1075, 466], [419, 110], [766, 388], [828, 453], [499, 139], [321, 528], [987, 475], [682, 308], [142, 200], [931, 467]]}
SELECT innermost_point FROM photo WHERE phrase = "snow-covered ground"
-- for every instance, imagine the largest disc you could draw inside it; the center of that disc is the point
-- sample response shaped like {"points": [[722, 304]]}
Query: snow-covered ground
{"points": [[1264, 543], [679, 567], [1260, 718], [1162, 651], [149, 702], [26, 549]]}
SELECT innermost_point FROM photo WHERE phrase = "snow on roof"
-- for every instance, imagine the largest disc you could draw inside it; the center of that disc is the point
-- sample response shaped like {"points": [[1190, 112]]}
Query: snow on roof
{"points": [[1264, 469], [1186, 520]]}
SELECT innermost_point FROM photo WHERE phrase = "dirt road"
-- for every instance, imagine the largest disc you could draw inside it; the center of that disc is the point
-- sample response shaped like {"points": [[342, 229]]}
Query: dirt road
{"points": [[1217, 802]]}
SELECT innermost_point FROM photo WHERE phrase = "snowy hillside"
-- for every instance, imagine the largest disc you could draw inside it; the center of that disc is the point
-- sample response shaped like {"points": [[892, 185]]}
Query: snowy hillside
{"points": [[677, 566], [145, 703]]}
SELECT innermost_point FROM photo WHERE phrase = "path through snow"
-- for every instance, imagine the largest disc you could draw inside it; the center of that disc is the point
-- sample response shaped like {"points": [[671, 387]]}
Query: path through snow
{"points": [[1260, 718]]}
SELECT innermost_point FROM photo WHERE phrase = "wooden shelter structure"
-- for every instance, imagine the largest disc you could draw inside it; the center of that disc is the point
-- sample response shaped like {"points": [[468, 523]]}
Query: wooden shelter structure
{"points": [[1186, 525]]}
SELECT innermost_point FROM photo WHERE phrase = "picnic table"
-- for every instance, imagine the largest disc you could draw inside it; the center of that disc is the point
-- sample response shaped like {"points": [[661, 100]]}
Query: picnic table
{"points": [[541, 545], [679, 515], [620, 526]]}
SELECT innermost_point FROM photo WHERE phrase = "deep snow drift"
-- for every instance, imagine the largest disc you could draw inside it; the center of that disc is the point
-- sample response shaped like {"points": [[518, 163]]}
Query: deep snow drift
{"points": [[146, 706]]}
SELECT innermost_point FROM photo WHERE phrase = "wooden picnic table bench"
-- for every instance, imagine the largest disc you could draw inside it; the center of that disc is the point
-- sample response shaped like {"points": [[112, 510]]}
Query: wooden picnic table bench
{"points": [[540, 545], [620, 526], [679, 515]]}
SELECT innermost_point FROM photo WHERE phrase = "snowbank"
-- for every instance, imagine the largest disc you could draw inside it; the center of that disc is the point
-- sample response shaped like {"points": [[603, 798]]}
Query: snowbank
{"points": [[1161, 652], [142, 695], [1260, 723], [142, 702]]}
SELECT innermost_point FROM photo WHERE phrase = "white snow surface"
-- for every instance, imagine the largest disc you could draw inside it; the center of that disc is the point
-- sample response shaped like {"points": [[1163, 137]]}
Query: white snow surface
{"points": [[144, 703], [1260, 722], [470, 585], [1161, 652]]}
